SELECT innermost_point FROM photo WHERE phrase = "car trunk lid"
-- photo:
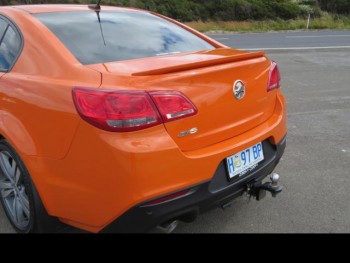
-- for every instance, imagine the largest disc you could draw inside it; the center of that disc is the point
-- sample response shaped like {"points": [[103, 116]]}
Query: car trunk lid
{"points": [[207, 79]]}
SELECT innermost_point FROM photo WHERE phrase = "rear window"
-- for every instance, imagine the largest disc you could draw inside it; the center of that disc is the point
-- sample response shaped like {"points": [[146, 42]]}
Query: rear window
{"points": [[120, 35]]}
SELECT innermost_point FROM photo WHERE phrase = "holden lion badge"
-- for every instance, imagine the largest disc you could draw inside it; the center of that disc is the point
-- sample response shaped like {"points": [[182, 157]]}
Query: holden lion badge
{"points": [[239, 90]]}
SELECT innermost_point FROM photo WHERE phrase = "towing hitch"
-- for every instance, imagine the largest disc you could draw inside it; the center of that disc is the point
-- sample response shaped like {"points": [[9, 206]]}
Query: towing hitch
{"points": [[258, 190]]}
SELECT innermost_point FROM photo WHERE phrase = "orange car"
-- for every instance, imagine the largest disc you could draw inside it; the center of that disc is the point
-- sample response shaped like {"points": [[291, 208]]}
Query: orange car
{"points": [[121, 120]]}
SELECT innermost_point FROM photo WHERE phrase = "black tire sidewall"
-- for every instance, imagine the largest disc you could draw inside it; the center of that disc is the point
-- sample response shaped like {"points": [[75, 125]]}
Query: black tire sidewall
{"points": [[5, 146]]}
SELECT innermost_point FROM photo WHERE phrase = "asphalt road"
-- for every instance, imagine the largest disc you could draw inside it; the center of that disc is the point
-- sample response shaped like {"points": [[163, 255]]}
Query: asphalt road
{"points": [[291, 40], [315, 167]]}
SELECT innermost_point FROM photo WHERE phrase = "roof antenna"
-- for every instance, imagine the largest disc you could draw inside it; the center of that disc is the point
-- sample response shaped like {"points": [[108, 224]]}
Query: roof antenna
{"points": [[95, 6]]}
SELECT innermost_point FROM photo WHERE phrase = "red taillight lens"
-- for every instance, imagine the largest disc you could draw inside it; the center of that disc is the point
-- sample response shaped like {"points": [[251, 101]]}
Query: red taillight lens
{"points": [[274, 77], [116, 110], [122, 111], [173, 105], [168, 198]]}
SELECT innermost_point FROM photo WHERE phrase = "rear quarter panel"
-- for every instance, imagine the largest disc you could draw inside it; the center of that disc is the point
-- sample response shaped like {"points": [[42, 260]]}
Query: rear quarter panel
{"points": [[37, 114]]}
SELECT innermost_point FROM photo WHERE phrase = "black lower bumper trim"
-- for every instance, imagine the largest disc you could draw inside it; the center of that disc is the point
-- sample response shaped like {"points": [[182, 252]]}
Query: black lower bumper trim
{"points": [[215, 193]]}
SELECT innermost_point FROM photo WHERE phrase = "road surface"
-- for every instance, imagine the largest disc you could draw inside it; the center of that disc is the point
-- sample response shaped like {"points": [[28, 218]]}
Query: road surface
{"points": [[315, 167], [304, 40]]}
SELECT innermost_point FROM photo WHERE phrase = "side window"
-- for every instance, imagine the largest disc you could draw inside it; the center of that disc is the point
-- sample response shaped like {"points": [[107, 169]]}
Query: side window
{"points": [[9, 47], [3, 26]]}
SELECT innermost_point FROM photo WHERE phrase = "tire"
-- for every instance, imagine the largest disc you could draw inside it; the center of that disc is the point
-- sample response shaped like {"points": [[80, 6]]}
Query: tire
{"points": [[16, 194], [19, 197]]}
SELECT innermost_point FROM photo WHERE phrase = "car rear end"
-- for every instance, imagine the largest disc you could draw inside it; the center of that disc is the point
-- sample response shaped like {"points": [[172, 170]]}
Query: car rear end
{"points": [[221, 145], [180, 123]]}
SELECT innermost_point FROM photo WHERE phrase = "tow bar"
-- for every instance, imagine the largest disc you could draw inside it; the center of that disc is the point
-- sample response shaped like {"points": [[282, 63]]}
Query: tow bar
{"points": [[258, 190]]}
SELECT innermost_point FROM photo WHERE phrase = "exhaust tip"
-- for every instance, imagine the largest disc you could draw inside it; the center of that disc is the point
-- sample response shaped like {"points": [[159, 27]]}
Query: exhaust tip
{"points": [[168, 227]]}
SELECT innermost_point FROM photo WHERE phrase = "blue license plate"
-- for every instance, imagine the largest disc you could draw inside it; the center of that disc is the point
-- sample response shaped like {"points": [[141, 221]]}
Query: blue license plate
{"points": [[245, 161]]}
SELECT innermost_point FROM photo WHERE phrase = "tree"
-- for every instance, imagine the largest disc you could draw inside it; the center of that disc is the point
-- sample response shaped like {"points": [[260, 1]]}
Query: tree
{"points": [[226, 10], [335, 6]]}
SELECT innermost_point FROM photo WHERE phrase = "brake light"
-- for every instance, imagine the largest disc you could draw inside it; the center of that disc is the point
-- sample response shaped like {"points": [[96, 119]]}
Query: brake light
{"points": [[274, 77], [124, 111], [116, 111], [173, 105]]}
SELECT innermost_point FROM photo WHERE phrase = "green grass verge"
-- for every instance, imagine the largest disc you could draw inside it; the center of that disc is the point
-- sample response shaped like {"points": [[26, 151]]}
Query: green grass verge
{"points": [[325, 22]]}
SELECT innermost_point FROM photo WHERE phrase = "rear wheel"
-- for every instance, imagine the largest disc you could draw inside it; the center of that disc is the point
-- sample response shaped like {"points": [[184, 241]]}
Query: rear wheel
{"points": [[15, 190]]}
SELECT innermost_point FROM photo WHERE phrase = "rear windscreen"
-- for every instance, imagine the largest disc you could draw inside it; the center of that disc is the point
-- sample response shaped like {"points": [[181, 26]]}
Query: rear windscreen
{"points": [[108, 36]]}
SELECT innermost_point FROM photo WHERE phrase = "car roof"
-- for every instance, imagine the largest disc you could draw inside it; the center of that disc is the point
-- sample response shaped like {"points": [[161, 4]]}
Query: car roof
{"points": [[37, 9]]}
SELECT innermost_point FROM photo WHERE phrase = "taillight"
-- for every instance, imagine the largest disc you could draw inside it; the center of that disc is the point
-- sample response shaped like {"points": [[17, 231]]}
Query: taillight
{"points": [[116, 111], [173, 105], [274, 77], [123, 111]]}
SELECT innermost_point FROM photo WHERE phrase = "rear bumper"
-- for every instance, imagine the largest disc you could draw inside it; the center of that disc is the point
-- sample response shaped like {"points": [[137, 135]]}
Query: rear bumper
{"points": [[203, 197]]}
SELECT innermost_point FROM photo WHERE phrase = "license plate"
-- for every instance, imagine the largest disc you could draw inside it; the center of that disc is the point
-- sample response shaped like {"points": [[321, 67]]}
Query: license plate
{"points": [[245, 161]]}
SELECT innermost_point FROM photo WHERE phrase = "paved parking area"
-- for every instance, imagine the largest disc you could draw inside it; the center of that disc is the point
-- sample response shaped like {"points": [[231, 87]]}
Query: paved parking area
{"points": [[315, 167], [5, 226]]}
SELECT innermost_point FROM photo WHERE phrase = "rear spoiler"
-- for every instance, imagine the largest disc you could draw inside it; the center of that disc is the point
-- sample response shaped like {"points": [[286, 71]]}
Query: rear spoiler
{"points": [[201, 64]]}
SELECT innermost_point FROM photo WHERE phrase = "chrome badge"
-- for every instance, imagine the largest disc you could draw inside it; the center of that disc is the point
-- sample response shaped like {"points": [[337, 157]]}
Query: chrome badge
{"points": [[239, 89], [189, 132]]}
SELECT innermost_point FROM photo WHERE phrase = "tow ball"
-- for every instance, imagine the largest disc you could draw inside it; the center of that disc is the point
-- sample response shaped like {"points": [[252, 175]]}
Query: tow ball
{"points": [[258, 190]]}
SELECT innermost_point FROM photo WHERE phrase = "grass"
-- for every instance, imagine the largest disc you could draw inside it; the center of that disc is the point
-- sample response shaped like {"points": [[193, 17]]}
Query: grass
{"points": [[325, 22]]}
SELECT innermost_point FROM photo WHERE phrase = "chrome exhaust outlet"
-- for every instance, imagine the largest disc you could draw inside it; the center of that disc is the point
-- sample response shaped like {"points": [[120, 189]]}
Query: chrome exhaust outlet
{"points": [[168, 228]]}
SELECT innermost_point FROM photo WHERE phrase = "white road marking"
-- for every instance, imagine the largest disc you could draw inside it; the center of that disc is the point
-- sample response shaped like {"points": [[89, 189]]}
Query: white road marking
{"points": [[296, 48], [221, 38], [317, 36], [314, 112]]}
